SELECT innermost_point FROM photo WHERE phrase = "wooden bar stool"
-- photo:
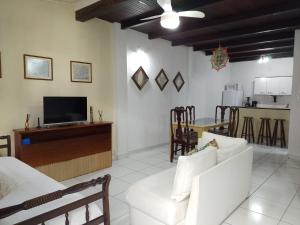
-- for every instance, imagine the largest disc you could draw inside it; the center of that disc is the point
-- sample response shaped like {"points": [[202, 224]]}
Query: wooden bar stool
{"points": [[279, 124], [248, 131], [264, 131]]}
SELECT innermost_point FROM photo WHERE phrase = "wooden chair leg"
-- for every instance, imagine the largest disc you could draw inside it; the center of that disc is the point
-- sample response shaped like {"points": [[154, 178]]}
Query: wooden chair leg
{"points": [[252, 131], [274, 137], [260, 133], [243, 129], [268, 133], [172, 152], [183, 149], [283, 141], [247, 130]]}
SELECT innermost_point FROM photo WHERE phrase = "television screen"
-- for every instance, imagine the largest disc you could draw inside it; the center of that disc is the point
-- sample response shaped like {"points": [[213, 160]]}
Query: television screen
{"points": [[65, 109]]}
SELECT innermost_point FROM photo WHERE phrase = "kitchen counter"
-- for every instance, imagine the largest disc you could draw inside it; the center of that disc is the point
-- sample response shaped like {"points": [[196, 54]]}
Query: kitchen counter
{"points": [[272, 108], [257, 113]]}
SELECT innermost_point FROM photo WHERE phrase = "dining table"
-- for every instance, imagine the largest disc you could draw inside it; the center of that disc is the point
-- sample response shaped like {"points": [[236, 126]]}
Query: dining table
{"points": [[201, 125]]}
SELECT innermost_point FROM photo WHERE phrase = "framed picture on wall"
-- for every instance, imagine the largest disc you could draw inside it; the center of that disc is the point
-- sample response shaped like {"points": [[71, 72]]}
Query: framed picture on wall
{"points": [[178, 82], [162, 80], [81, 72], [38, 67], [140, 78]]}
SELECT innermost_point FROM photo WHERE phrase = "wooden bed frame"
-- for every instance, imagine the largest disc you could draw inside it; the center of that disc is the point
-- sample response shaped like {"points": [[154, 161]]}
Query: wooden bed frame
{"points": [[64, 210]]}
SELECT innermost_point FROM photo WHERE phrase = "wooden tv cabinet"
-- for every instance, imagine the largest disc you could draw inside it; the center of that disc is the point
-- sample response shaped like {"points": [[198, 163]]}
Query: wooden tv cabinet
{"points": [[66, 152]]}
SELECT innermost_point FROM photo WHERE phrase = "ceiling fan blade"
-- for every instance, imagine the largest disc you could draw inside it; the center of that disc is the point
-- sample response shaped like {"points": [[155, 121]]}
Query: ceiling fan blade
{"points": [[194, 14], [151, 17], [165, 4]]}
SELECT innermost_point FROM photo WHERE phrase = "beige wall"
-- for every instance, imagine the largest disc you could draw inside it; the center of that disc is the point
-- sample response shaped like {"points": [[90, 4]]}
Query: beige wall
{"points": [[48, 28]]}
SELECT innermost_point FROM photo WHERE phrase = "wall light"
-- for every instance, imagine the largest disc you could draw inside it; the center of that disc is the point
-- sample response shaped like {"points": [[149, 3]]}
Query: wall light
{"points": [[138, 58], [264, 59]]}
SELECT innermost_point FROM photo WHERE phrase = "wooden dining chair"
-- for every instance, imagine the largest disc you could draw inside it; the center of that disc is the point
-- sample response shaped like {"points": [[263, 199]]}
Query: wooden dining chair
{"points": [[234, 117], [191, 110], [182, 138], [220, 110], [7, 145]]}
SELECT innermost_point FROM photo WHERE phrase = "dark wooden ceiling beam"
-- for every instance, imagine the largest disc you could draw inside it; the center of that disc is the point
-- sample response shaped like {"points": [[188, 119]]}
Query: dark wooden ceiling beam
{"points": [[252, 58], [259, 53], [264, 39], [277, 9], [178, 5], [257, 47], [286, 25], [99, 8]]}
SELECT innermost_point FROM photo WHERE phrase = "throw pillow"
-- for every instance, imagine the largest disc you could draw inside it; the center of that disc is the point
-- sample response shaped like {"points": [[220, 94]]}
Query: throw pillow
{"points": [[213, 143], [7, 184], [187, 168]]}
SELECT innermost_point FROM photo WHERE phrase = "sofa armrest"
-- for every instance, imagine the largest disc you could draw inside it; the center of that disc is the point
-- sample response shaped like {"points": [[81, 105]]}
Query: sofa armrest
{"points": [[219, 190]]}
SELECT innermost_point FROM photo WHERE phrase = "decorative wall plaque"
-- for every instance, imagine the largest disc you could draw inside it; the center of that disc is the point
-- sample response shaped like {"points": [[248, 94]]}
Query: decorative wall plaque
{"points": [[178, 82], [162, 80], [140, 78]]}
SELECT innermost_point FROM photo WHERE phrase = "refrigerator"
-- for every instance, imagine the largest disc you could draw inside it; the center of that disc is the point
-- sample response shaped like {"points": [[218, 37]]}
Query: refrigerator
{"points": [[233, 95]]}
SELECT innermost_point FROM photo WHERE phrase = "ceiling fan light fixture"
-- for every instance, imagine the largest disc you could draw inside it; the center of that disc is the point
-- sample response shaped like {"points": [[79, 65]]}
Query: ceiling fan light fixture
{"points": [[170, 20]]}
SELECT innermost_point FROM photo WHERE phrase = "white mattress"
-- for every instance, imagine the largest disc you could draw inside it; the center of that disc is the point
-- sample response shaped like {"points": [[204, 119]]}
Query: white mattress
{"points": [[32, 183]]}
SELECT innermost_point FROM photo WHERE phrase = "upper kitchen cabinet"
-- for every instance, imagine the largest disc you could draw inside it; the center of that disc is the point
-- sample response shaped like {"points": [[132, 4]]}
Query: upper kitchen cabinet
{"points": [[260, 86], [273, 86]]}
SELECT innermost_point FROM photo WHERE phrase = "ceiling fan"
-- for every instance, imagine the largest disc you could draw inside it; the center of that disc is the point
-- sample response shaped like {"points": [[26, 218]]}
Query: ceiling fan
{"points": [[171, 19]]}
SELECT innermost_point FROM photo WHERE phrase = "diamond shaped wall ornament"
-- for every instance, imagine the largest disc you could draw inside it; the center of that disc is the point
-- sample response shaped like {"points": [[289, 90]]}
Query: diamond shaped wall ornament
{"points": [[162, 80], [178, 82], [140, 78], [219, 58]]}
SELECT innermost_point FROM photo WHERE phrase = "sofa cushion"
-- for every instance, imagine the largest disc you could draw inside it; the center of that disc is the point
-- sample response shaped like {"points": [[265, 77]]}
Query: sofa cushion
{"points": [[152, 196], [228, 146], [188, 167]]}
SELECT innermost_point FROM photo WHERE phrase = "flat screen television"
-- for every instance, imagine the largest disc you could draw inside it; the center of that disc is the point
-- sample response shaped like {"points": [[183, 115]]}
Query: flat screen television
{"points": [[63, 110]]}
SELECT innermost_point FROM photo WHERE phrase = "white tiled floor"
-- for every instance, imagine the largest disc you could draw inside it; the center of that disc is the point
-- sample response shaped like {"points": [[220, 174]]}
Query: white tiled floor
{"points": [[275, 190]]}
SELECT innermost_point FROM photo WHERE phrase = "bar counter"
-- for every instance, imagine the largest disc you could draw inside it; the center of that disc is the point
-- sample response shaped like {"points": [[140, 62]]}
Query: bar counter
{"points": [[257, 113]]}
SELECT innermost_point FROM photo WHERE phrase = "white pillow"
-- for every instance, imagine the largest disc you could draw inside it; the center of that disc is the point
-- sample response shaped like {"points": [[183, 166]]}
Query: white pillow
{"points": [[223, 141], [7, 184], [188, 167]]}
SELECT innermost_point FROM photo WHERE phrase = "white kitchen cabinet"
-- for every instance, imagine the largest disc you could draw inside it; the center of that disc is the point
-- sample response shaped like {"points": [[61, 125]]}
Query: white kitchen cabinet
{"points": [[260, 86], [273, 86], [285, 85]]}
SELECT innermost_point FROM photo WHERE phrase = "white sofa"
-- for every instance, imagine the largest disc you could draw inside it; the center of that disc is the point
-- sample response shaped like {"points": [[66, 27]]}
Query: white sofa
{"points": [[215, 193]]}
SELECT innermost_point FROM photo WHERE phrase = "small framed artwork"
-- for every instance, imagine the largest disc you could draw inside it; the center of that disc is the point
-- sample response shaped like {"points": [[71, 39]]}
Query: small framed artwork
{"points": [[38, 67], [162, 80], [140, 78], [81, 72], [178, 82]]}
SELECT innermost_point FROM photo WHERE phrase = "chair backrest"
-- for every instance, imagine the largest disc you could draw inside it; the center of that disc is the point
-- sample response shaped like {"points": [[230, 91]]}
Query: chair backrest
{"points": [[7, 145], [178, 116], [233, 121], [191, 110], [222, 110]]}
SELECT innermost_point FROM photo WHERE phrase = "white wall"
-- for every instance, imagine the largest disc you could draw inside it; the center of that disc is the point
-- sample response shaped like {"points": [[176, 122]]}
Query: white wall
{"points": [[294, 140], [245, 73], [143, 116], [48, 28], [206, 84]]}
